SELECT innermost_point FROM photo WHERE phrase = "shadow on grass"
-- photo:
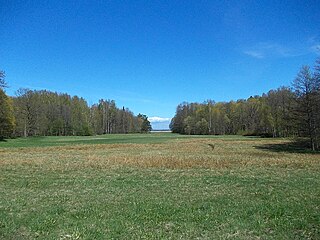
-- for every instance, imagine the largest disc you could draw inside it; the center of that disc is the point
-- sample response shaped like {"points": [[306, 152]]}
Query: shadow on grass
{"points": [[295, 146], [2, 140]]}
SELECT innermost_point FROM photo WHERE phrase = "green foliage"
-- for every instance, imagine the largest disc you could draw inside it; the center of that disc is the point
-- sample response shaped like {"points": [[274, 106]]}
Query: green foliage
{"points": [[189, 125], [145, 125], [247, 116], [7, 120], [202, 126], [43, 113]]}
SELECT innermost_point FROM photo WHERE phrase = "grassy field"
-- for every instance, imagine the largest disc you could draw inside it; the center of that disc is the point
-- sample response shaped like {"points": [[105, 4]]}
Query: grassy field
{"points": [[102, 139], [158, 186]]}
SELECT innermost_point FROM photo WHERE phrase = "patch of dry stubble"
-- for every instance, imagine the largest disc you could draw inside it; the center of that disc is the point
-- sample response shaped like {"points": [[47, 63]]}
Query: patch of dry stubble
{"points": [[195, 153]]}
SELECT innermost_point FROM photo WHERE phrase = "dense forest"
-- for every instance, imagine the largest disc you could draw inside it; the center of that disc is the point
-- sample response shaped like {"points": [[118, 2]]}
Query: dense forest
{"points": [[45, 113], [285, 112]]}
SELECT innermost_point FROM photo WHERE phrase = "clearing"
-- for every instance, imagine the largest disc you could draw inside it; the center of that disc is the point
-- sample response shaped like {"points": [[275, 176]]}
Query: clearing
{"points": [[158, 186]]}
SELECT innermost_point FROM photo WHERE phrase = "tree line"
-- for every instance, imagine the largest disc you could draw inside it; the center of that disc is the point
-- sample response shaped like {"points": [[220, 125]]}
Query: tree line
{"points": [[284, 112], [46, 113]]}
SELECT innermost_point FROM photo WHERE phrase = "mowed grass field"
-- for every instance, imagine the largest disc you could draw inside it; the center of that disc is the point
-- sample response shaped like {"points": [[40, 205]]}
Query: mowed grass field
{"points": [[158, 186]]}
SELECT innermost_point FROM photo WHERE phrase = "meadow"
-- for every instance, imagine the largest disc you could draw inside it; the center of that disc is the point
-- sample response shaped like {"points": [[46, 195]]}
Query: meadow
{"points": [[158, 186]]}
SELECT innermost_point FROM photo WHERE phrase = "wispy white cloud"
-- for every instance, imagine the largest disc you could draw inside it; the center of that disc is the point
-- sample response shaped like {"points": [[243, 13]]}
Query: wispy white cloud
{"points": [[254, 54], [158, 119], [268, 49], [272, 49]]}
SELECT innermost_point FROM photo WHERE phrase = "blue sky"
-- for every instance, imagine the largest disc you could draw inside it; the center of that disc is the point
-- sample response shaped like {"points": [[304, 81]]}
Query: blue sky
{"points": [[152, 55]]}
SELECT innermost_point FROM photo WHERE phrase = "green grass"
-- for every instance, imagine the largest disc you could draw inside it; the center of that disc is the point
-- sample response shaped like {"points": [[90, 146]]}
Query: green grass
{"points": [[158, 186], [100, 139]]}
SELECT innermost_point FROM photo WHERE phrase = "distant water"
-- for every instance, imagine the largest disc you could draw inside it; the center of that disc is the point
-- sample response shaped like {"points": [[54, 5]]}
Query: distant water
{"points": [[160, 125], [160, 131]]}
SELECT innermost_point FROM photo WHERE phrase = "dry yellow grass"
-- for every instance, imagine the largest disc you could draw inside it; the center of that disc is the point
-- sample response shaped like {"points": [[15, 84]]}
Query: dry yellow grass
{"points": [[175, 154]]}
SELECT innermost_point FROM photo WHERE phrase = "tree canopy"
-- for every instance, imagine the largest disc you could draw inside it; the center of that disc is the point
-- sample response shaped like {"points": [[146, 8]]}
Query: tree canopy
{"points": [[284, 112], [46, 113], [7, 119]]}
